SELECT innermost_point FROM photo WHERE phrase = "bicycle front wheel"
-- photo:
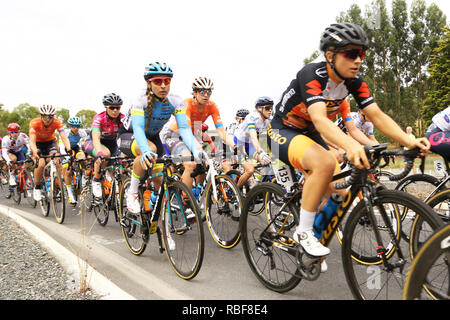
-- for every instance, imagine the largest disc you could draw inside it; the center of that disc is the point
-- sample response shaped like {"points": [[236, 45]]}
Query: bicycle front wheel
{"points": [[182, 230], [440, 203], [267, 237], [223, 212], [428, 277], [384, 278], [28, 187], [101, 210], [57, 198]]}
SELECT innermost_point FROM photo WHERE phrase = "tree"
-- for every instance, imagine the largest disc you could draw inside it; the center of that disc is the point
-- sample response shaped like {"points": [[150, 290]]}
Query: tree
{"points": [[86, 116]]}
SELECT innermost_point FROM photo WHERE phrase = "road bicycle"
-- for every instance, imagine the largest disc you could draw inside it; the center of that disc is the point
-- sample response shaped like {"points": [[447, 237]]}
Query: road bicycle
{"points": [[176, 220], [429, 275], [110, 190], [53, 190], [222, 200], [375, 259], [24, 183]]}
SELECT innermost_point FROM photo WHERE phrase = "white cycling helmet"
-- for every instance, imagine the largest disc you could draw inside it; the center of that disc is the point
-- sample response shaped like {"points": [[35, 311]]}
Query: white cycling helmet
{"points": [[47, 110], [202, 83]]}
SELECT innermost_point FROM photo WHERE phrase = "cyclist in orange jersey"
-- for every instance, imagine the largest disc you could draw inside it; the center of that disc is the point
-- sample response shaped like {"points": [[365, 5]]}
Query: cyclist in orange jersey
{"points": [[43, 142], [198, 109]]}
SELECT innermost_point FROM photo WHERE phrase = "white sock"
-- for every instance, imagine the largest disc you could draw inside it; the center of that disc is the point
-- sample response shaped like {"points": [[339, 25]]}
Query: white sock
{"points": [[306, 220], [134, 184]]}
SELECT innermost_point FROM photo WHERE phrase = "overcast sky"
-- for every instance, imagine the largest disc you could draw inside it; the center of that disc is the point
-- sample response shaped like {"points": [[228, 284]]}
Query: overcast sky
{"points": [[71, 53]]}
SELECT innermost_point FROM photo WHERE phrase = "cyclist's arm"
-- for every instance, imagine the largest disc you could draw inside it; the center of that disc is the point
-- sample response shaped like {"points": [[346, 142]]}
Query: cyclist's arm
{"points": [[65, 140], [5, 151], [33, 146], [138, 125], [254, 138], [357, 134], [391, 129], [225, 136], [355, 152]]}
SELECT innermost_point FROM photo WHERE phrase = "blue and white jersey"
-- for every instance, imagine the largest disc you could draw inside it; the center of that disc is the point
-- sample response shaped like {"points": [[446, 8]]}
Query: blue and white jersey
{"points": [[366, 127], [76, 140], [442, 119], [253, 120]]}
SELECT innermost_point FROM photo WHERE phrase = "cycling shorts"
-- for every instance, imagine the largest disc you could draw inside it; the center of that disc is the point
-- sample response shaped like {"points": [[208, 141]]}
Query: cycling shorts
{"points": [[174, 144], [88, 147], [47, 148], [439, 140], [127, 144], [289, 144]]}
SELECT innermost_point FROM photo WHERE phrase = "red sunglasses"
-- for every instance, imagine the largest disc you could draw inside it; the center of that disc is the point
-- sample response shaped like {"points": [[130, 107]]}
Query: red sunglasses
{"points": [[160, 80], [352, 54]]}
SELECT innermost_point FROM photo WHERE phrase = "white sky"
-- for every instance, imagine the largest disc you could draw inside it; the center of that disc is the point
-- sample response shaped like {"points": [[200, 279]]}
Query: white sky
{"points": [[71, 53]]}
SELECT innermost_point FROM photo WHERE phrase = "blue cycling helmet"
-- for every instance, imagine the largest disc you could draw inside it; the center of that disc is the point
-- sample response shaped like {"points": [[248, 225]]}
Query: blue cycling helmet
{"points": [[74, 121], [157, 69], [263, 101]]}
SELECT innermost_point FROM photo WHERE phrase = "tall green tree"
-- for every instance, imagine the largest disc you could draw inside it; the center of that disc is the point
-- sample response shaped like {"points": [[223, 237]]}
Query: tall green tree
{"points": [[86, 116]]}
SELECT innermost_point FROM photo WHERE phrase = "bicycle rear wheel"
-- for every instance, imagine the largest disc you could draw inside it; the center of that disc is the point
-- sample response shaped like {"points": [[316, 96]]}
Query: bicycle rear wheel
{"points": [[223, 215], [428, 277], [57, 198], [182, 230], [101, 210], [267, 238], [383, 279], [130, 224], [440, 203]]}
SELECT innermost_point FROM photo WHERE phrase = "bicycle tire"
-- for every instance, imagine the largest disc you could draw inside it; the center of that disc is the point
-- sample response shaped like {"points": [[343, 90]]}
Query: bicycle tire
{"points": [[425, 262], [183, 239], [223, 219], [28, 188], [57, 198], [101, 211], [416, 183], [16, 196], [358, 275], [129, 224], [275, 268], [382, 177], [440, 203]]}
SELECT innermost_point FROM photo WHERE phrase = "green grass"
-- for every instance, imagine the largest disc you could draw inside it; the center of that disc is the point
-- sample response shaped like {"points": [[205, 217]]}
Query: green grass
{"points": [[429, 162]]}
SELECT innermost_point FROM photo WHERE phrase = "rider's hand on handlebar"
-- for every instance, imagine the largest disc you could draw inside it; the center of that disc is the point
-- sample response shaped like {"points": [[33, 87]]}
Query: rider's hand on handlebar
{"points": [[356, 154], [422, 143], [147, 159]]}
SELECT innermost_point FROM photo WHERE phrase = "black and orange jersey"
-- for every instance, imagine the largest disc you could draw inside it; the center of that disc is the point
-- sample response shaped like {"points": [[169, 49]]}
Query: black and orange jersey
{"points": [[313, 84]]}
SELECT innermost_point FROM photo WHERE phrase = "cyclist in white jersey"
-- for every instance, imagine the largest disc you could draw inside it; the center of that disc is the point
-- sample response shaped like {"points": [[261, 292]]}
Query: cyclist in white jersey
{"points": [[247, 133], [230, 129], [14, 147]]}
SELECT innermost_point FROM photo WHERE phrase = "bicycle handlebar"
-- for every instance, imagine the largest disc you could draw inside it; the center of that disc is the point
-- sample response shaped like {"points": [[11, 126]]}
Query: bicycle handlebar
{"points": [[375, 154]]}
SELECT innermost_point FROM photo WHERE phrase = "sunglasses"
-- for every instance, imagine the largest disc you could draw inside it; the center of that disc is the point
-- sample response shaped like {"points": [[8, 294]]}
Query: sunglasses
{"points": [[203, 91], [14, 131], [159, 81], [352, 54], [47, 116], [114, 107], [75, 127], [267, 108]]}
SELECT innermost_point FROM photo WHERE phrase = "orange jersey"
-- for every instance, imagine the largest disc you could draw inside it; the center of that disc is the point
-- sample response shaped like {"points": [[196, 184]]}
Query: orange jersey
{"points": [[196, 118], [45, 134]]}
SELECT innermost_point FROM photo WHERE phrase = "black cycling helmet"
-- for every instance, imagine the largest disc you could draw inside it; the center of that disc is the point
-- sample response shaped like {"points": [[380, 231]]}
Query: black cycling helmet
{"points": [[242, 113], [263, 101], [339, 35]]}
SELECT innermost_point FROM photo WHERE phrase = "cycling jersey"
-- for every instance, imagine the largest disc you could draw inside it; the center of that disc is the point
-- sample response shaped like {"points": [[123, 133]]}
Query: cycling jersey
{"points": [[442, 119], [107, 126], [45, 134], [366, 127], [197, 118], [253, 120], [76, 141], [313, 84], [144, 127], [14, 146]]}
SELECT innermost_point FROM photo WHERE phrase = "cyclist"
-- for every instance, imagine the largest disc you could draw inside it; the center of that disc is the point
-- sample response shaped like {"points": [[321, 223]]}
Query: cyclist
{"points": [[438, 133], [304, 114], [77, 137], [43, 142], [198, 109], [104, 133], [139, 136], [240, 116], [15, 146], [247, 135]]}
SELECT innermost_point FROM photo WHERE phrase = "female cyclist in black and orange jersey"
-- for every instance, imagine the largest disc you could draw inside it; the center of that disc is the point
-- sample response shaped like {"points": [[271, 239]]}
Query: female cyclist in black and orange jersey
{"points": [[303, 116]]}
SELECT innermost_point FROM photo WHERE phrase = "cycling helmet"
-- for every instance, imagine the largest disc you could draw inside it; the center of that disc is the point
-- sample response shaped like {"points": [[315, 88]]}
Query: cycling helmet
{"points": [[157, 69], [112, 99], [340, 35], [242, 113], [204, 127], [47, 110], [74, 121], [263, 101], [13, 127], [202, 83]]}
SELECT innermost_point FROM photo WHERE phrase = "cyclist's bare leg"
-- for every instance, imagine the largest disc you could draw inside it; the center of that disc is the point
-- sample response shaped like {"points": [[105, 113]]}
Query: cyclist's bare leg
{"points": [[249, 169], [106, 153], [188, 168]]}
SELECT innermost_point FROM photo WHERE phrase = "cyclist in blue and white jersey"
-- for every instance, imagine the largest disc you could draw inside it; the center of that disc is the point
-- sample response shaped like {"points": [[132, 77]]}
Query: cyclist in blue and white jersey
{"points": [[77, 137], [247, 134], [139, 136], [14, 147]]}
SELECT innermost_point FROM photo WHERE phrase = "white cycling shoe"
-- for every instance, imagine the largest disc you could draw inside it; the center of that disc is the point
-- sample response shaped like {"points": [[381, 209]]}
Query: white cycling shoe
{"points": [[37, 194], [133, 204], [311, 244], [97, 189]]}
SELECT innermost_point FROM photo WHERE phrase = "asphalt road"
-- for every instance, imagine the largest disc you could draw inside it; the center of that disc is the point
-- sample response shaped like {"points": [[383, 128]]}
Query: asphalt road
{"points": [[225, 274]]}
